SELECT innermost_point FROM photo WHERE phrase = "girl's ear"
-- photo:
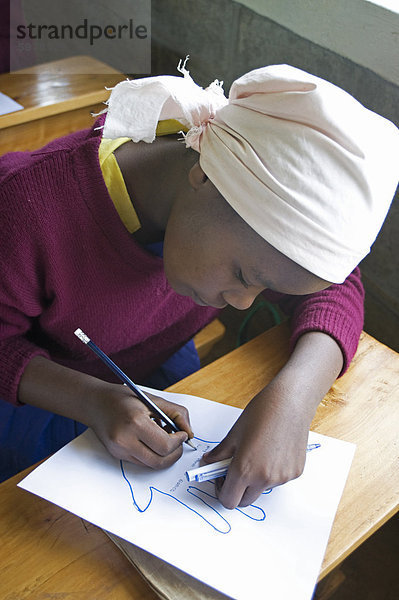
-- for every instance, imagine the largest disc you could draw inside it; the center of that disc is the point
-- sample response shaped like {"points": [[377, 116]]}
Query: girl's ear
{"points": [[197, 176]]}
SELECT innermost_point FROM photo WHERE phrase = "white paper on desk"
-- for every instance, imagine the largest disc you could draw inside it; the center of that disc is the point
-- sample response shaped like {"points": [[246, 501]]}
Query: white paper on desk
{"points": [[238, 552], [8, 105]]}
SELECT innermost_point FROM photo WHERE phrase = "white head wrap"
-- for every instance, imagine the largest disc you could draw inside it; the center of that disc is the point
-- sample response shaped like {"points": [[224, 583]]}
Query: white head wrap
{"points": [[307, 166]]}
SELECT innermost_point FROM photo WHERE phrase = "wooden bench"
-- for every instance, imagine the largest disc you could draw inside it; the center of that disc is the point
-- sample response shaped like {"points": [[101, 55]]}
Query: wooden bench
{"points": [[57, 99], [208, 336]]}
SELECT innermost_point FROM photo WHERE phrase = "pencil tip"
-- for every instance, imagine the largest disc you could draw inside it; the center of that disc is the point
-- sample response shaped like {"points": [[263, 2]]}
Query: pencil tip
{"points": [[189, 442]]}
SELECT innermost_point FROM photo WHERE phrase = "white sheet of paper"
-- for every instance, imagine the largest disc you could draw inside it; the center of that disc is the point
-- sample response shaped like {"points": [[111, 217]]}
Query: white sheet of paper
{"points": [[272, 549], [8, 105]]}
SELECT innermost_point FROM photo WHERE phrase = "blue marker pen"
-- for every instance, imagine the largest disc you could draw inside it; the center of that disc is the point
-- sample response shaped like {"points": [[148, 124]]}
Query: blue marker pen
{"points": [[219, 468]]}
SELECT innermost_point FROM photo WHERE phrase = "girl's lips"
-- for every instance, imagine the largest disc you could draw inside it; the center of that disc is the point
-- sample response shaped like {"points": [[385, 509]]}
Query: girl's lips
{"points": [[198, 300]]}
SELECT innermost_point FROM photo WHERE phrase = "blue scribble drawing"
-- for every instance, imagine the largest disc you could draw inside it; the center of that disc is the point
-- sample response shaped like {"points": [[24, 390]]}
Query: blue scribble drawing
{"points": [[311, 447], [224, 525], [221, 525], [253, 512], [205, 441], [206, 496]]}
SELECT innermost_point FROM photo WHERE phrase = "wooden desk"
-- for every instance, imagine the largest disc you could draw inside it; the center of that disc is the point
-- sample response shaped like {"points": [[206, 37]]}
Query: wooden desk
{"points": [[48, 553], [57, 99]]}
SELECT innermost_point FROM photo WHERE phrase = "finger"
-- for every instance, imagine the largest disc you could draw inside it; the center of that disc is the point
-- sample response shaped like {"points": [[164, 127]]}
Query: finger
{"points": [[158, 440], [231, 492], [179, 414], [251, 494], [224, 450], [135, 452], [218, 484], [145, 456]]}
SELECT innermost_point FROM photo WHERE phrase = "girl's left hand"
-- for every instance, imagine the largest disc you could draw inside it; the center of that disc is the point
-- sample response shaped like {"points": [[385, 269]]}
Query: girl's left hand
{"points": [[268, 445], [268, 441]]}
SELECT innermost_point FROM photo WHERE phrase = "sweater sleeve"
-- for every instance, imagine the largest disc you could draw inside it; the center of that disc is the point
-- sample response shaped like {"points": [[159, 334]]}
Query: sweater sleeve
{"points": [[17, 315], [337, 311], [22, 298]]}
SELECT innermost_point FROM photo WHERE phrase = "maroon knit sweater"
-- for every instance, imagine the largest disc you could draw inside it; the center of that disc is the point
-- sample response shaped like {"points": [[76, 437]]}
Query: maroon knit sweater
{"points": [[67, 261]]}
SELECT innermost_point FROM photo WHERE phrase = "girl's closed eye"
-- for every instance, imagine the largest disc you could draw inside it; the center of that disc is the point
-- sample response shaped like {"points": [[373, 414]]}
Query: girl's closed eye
{"points": [[240, 277]]}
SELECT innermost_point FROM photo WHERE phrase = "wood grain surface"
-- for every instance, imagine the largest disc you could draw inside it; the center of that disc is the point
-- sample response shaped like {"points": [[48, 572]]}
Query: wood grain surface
{"points": [[56, 87], [47, 553], [57, 99]]}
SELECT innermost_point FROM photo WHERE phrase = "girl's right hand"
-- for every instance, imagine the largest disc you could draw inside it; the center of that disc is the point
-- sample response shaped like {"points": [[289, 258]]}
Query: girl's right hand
{"points": [[128, 430], [120, 420]]}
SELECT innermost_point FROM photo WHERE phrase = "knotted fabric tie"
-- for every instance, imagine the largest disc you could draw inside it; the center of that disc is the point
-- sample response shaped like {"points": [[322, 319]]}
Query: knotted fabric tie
{"points": [[136, 106], [307, 166]]}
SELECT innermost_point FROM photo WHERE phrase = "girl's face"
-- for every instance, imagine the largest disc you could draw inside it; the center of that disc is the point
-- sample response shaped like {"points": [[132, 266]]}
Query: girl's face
{"points": [[213, 256]]}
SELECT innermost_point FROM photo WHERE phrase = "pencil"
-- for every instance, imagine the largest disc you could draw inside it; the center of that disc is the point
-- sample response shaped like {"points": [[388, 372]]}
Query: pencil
{"points": [[123, 377]]}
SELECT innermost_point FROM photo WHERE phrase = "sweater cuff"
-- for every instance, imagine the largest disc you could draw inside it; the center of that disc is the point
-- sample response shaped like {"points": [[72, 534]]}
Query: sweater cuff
{"points": [[338, 325], [15, 354]]}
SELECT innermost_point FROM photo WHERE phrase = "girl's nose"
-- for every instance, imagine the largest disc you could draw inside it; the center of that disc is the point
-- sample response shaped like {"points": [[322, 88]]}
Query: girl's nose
{"points": [[240, 300]]}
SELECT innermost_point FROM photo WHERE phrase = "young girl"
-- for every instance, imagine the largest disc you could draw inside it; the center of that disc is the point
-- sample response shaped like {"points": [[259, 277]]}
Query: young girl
{"points": [[290, 187]]}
